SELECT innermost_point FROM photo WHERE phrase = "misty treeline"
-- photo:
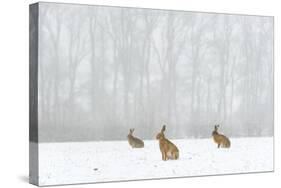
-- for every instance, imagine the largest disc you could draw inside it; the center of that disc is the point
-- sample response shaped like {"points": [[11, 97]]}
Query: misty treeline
{"points": [[103, 70]]}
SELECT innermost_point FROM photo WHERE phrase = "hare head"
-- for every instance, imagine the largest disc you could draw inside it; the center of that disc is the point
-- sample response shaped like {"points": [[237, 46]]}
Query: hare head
{"points": [[215, 131], [161, 134], [130, 133], [216, 127]]}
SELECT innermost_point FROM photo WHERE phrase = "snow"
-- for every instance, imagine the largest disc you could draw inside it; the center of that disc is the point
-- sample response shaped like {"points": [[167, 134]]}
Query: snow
{"points": [[83, 162]]}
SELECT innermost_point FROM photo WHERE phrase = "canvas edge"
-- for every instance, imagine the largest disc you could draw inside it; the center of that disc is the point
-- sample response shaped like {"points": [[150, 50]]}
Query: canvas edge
{"points": [[159, 9], [33, 94]]}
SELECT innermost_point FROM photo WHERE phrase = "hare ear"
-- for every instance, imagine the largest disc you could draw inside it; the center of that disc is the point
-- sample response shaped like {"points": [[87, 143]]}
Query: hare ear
{"points": [[133, 130], [163, 128]]}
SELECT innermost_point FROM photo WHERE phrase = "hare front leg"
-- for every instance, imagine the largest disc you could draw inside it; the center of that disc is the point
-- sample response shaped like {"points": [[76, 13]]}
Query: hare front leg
{"points": [[163, 155], [166, 155]]}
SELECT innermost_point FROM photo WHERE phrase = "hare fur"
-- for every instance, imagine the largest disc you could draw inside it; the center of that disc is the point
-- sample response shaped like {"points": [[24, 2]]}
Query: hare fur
{"points": [[221, 140], [167, 148], [134, 141]]}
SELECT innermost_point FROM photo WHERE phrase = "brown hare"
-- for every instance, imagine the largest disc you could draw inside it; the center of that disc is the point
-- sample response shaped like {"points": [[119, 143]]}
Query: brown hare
{"points": [[167, 148], [134, 141], [220, 139]]}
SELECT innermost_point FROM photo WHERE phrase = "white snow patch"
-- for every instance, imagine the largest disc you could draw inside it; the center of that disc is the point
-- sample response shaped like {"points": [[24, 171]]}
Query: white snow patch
{"points": [[82, 162]]}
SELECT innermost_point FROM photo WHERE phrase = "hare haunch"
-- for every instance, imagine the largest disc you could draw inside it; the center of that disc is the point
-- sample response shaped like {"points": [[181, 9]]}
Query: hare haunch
{"points": [[167, 148], [220, 139], [134, 141]]}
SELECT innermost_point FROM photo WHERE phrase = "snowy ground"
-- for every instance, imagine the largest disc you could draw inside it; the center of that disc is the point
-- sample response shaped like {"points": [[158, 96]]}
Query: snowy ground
{"points": [[68, 163]]}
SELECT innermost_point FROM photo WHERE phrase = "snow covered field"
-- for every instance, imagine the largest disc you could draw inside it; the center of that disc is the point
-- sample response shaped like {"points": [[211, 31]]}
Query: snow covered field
{"points": [[67, 163]]}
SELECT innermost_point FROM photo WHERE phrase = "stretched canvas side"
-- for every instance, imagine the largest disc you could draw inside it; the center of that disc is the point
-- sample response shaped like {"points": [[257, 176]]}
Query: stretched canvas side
{"points": [[33, 93]]}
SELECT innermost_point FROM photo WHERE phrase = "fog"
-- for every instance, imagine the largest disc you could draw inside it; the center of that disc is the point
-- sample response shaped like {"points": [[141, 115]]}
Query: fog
{"points": [[103, 70]]}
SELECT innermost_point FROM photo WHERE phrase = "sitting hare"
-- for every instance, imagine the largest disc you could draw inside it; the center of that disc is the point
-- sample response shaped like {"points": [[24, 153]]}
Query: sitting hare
{"points": [[167, 148], [133, 141], [220, 139]]}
